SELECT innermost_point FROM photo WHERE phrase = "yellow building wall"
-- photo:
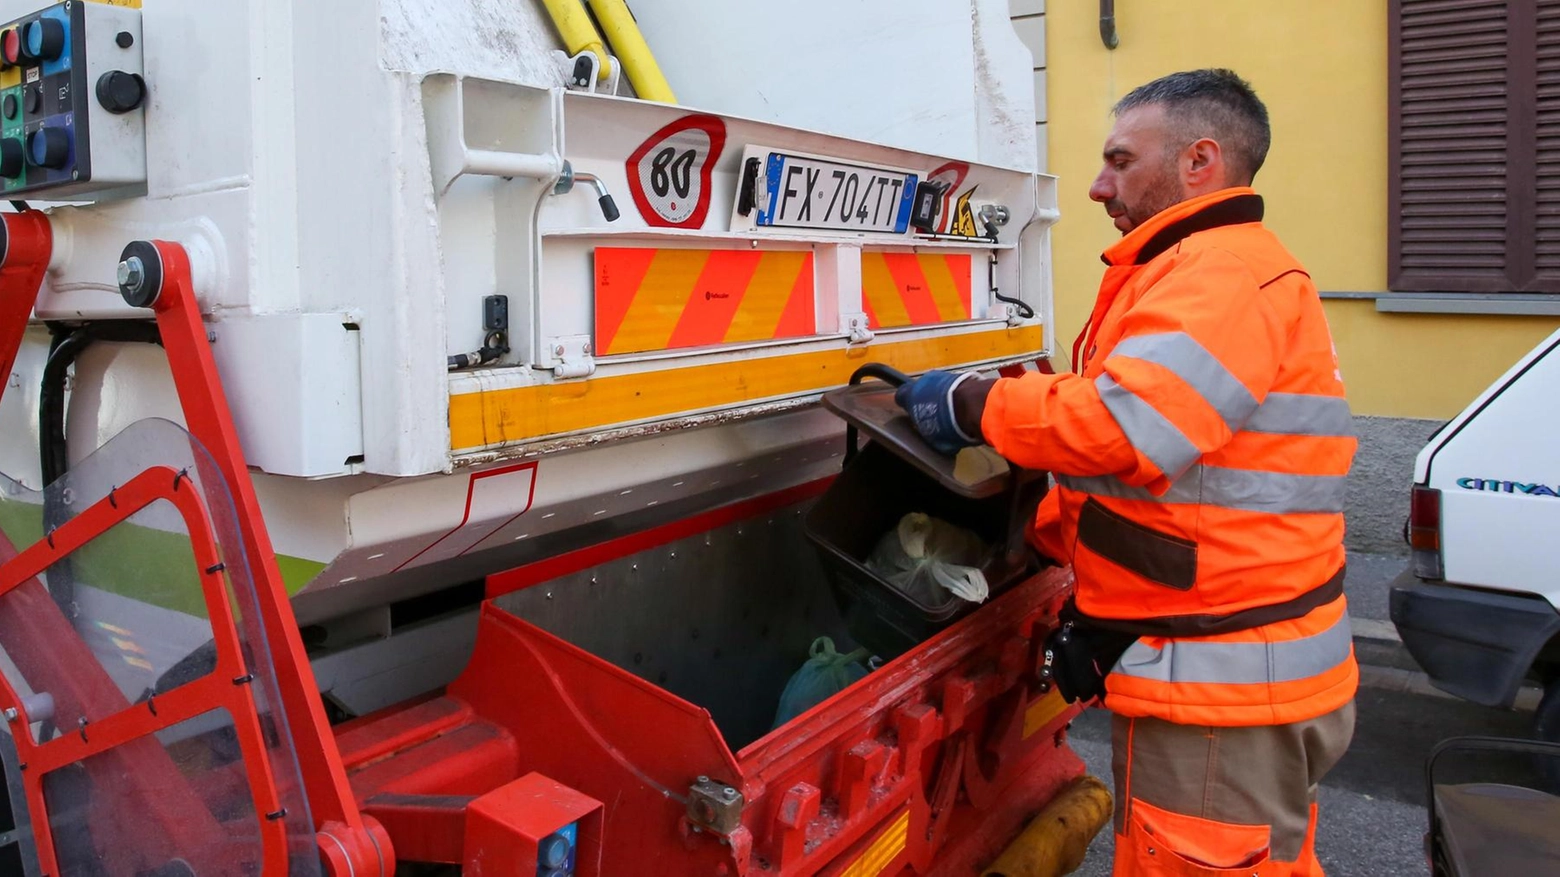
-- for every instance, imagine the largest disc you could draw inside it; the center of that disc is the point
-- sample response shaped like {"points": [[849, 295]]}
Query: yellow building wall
{"points": [[1321, 68]]}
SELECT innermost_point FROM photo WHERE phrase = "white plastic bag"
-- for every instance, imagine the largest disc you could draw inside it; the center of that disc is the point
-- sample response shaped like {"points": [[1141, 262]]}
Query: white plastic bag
{"points": [[931, 561]]}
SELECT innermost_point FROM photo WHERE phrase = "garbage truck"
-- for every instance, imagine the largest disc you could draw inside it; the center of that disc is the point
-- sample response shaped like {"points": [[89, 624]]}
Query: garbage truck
{"points": [[413, 452]]}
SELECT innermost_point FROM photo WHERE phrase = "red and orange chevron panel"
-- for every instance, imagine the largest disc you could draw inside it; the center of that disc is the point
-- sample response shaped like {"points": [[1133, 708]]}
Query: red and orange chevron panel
{"points": [[910, 289], [662, 299]]}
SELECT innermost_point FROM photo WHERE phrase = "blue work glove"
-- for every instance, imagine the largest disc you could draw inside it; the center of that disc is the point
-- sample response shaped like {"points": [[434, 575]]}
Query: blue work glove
{"points": [[929, 402]]}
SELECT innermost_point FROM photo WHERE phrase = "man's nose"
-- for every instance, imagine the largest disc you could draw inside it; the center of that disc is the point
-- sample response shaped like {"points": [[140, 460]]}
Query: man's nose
{"points": [[1101, 190]]}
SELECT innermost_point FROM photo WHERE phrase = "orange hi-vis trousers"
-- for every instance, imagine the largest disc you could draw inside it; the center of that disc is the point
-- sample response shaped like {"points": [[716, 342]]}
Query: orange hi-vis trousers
{"points": [[1199, 801]]}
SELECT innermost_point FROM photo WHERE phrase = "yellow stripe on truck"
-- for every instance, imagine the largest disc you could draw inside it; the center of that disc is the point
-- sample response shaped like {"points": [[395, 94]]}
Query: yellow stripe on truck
{"points": [[492, 417], [883, 851]]}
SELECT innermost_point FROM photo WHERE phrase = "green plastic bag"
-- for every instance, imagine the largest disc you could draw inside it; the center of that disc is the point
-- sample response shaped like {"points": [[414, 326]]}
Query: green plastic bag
{"points": [[825, 674]]}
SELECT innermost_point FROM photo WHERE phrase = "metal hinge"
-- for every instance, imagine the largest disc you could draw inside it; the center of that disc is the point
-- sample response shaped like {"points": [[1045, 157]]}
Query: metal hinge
{"points": [[857, 328], [582, 72], [572, 355]]}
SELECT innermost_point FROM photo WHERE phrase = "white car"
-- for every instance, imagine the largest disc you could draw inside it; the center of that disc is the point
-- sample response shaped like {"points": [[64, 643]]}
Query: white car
{"points": [[1477, 607]]}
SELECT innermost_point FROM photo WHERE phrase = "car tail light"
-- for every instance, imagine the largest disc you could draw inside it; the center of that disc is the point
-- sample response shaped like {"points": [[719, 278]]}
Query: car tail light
{"points": [[1424, 532]]}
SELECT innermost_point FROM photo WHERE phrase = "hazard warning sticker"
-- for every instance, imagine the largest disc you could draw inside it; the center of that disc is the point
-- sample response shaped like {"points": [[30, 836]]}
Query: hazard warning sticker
{"points": [[669, 174]]}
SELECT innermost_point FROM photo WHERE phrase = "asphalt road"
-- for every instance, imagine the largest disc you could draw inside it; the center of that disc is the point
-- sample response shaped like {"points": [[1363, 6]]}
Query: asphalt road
{"points": [[1372, 820]]}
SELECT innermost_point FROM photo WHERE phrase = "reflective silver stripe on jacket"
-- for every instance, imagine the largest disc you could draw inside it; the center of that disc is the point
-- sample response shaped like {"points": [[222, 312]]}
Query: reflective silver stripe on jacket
{"points": [[1302, 414], [1251, 490], [1179, 661], [1154, 436], [1201, 370]]}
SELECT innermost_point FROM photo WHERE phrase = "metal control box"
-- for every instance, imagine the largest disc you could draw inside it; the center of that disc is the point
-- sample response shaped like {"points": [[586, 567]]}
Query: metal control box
{"points": [[72, 103]]}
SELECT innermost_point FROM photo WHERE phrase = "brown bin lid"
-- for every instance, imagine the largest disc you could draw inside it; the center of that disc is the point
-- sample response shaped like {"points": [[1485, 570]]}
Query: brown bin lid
{"points": [[976, 473]]}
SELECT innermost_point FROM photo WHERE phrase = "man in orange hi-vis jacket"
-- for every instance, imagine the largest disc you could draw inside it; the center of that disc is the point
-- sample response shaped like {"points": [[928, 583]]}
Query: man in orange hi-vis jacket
{"points": [[1200, 451]]}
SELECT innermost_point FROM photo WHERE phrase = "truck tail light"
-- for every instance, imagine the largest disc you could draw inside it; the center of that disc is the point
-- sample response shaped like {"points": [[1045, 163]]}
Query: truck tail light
{"points": [[1424, 532]]}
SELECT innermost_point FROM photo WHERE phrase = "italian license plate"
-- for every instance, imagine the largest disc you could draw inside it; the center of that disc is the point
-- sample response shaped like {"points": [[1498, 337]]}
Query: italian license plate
{"points": [[805, 192]]}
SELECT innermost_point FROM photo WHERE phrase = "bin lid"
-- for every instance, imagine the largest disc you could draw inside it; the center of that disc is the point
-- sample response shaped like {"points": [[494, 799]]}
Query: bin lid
{"points": [[976, 472]]}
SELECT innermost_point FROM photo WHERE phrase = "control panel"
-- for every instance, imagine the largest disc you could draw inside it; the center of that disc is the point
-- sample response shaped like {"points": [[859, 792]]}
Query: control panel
{"points": [[72, 103]]}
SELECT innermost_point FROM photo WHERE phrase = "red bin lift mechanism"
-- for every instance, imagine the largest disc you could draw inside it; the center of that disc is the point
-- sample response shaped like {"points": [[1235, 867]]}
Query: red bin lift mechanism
{"points": [[539, 752]]}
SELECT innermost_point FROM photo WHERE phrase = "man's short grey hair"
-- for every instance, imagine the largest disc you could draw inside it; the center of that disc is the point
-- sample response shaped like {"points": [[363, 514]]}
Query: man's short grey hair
{"points": [[1216, 104]]}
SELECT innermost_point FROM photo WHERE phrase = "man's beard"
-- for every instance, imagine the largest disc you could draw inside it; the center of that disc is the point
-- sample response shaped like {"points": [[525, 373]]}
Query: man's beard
{"points": [[1165, 193]]}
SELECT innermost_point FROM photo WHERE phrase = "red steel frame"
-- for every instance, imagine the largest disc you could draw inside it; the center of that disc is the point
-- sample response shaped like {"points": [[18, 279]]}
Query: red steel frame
{"points": [[348, 842], [953, 745], [900, 774]]}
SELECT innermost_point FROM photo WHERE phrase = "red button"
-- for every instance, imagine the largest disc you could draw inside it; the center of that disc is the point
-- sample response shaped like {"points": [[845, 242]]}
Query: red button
{"points": [[11, 48]]}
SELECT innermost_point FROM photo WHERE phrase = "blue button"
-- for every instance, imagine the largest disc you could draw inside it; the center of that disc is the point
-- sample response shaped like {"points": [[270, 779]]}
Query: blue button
{"points": [[553, 851]]}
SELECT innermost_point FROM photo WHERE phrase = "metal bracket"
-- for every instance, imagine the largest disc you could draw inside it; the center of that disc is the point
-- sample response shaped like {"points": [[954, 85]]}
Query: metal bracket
{"points": [[572, 357], [582, 72], [715, 806], [857, 328]]}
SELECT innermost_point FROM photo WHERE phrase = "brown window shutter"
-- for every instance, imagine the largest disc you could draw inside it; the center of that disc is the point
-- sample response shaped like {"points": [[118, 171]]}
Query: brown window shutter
{"points": [[1449, 143], [1474, 145], [1547, 135]]}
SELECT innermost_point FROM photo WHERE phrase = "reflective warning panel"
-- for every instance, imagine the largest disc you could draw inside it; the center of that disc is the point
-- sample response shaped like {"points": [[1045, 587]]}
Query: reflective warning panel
{"points": [[915, 289], [660, 299]]}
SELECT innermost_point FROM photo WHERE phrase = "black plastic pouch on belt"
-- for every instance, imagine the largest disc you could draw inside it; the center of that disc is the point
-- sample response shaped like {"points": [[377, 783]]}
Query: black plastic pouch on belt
{"points": [[1079, 656]]}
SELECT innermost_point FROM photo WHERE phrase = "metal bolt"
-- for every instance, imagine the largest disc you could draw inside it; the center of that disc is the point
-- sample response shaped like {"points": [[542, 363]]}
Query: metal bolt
{"points": [[558, 351], [11, 714], [586, 348], [703, 780], [729, 794], [132, 274]]}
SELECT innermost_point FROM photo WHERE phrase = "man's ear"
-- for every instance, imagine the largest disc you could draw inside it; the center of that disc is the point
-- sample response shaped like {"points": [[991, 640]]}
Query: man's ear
{"points": [[1205, 164]]}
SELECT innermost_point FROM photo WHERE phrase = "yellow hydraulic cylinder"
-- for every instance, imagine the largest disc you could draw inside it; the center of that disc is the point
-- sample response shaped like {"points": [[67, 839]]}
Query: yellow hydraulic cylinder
{"points": [[1053, 843], [578, 33], [618, 24]]}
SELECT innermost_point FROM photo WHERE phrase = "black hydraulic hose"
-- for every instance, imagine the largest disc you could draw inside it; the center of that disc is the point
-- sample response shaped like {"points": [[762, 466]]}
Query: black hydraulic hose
{"points": [[69, 342], [53, 458], [53, 447]]}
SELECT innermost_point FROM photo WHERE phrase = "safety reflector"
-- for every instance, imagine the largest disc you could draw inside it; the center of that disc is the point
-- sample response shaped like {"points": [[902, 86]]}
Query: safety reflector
{"points": [[661, 299], [915, 289]]}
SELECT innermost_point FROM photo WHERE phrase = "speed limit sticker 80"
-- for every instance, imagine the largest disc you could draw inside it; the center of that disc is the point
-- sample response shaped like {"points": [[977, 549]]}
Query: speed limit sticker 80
{"points": [[669, 174]]}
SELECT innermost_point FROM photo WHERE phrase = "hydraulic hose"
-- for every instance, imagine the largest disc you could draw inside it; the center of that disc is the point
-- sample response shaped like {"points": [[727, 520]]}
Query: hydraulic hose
{"points": [[53, 447], [622, 32]]}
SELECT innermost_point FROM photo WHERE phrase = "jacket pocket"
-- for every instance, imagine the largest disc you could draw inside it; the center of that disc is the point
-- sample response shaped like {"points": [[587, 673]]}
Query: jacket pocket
{"points": [[1159, 842], [1159, 557]]}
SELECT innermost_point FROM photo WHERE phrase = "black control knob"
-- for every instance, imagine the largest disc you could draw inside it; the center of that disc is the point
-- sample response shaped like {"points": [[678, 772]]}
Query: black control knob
{"points": [[120, 92], [11, 158], [32, 98], [10, 106], [43, 40], [49, 147]]}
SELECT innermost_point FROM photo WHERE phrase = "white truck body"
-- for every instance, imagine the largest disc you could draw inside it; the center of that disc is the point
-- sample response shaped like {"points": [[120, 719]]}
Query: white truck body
{"points": [[354, 179]]}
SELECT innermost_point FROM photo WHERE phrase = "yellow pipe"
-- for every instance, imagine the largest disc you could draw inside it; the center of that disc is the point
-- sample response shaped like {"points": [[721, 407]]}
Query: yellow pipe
{"points": [[1054, 842], [578, 33], [618, 24]]}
